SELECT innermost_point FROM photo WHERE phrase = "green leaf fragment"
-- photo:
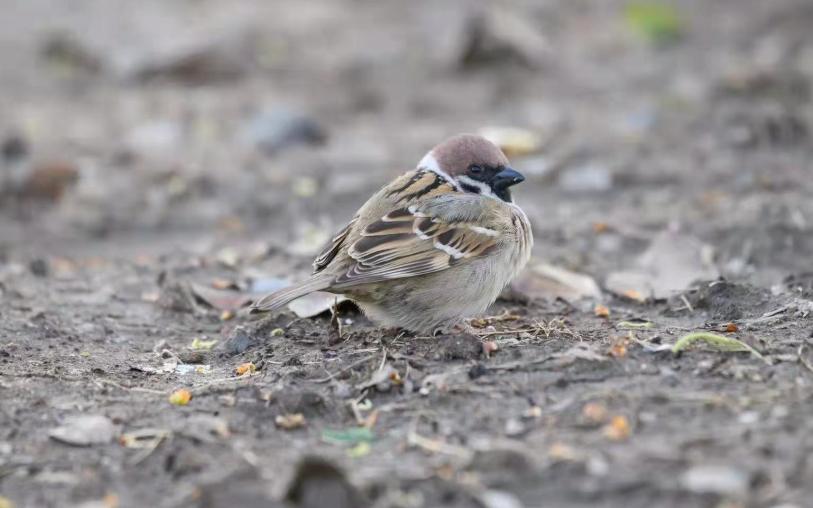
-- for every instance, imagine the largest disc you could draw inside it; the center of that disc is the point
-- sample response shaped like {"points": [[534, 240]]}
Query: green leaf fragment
{"points": [[202, 345], [351, 436], [658, 22], [360, 450], [718, 342]]}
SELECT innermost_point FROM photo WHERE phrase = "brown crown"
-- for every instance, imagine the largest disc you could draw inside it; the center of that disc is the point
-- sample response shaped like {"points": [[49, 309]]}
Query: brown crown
{"points": [[456, 154]]}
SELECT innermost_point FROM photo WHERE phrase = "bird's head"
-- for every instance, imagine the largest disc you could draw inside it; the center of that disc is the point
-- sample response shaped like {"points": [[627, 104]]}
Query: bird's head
{"points": [[473, 164]]}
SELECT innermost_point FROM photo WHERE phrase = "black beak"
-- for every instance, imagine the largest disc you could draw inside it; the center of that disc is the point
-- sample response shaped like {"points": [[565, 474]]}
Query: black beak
{"points": [[506, 178]]}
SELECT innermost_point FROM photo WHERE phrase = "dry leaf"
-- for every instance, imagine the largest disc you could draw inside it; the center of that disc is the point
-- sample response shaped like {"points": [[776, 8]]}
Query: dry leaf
{"points": [[50, 180], [479, 322], [180, 397], [84, 430], [618, 429], [315, 303], [223, 284], [619, 347], [731, 327], [290, 421], [546, 281], [602, 311], [600, 227], [219, 299], [228, 257], [227, 315], [245, 368], [150, 296], [594, 413], [533, 412], [371, 419], [561, 451], [110, 500], [484, 322], [513, 141], [672, 263], [395, 378], [143, 438], [232, 224], [633, 294]]}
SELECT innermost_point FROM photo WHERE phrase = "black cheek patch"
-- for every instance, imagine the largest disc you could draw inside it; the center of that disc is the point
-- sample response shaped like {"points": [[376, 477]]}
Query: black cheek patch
{"points": [[503, 194], [469, 188]]}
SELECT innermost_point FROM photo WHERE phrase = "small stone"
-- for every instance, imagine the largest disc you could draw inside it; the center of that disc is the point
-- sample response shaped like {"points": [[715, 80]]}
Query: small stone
{"points": [[160, 137], [459, 347], [282, 128], [66, 52], [716, 479], [594, 413], [13, 149], [477, 370], [514, 427], [193, 357], [499, 499], [39, 267], [500, 36], [49, 181], [238, 341], [84, 430]]}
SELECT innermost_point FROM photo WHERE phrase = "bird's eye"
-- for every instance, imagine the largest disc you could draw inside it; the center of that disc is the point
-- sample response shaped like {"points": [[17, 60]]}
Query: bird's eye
{"points": [[474, 169]]}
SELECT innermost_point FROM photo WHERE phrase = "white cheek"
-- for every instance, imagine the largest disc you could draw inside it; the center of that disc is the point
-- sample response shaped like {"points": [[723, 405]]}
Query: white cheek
{"points": [[429, 163], [485, 190]]}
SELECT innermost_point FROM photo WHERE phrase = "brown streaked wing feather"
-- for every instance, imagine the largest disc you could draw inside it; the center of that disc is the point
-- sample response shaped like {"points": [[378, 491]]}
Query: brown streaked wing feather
{"points": [[333, 247], [412, 241], [418, 185], [411, 186]]}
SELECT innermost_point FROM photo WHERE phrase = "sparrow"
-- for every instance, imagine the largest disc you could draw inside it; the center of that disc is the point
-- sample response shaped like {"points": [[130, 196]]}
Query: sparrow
{"points": [[433, 247]]}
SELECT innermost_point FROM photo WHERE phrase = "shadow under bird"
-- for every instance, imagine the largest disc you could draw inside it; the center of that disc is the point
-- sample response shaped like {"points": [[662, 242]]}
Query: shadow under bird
{"points": [[433, 247]]}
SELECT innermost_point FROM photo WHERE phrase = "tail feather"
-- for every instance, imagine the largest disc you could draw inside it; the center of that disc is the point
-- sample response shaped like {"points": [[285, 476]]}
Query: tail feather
{"points": [[278, 299]]}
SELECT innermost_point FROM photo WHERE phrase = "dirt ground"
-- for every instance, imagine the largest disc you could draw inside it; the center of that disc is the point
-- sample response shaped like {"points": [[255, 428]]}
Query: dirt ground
{"points": [[164, 162]]}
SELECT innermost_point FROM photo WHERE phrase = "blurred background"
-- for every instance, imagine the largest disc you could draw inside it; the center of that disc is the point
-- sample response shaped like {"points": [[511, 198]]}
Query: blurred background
{"points": [[162, 161], [138, 128]]}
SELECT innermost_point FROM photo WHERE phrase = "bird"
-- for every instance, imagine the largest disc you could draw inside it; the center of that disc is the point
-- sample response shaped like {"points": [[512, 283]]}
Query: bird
{"points": [[434, 247]]}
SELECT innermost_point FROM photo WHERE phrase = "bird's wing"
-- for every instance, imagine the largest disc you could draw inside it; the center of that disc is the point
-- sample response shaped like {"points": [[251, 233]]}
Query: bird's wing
{"points": [[333, 247], [421, 239]]}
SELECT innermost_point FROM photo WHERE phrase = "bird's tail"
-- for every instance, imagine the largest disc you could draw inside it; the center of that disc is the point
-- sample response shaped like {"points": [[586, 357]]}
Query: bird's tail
{"points": [[274, 301]]}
